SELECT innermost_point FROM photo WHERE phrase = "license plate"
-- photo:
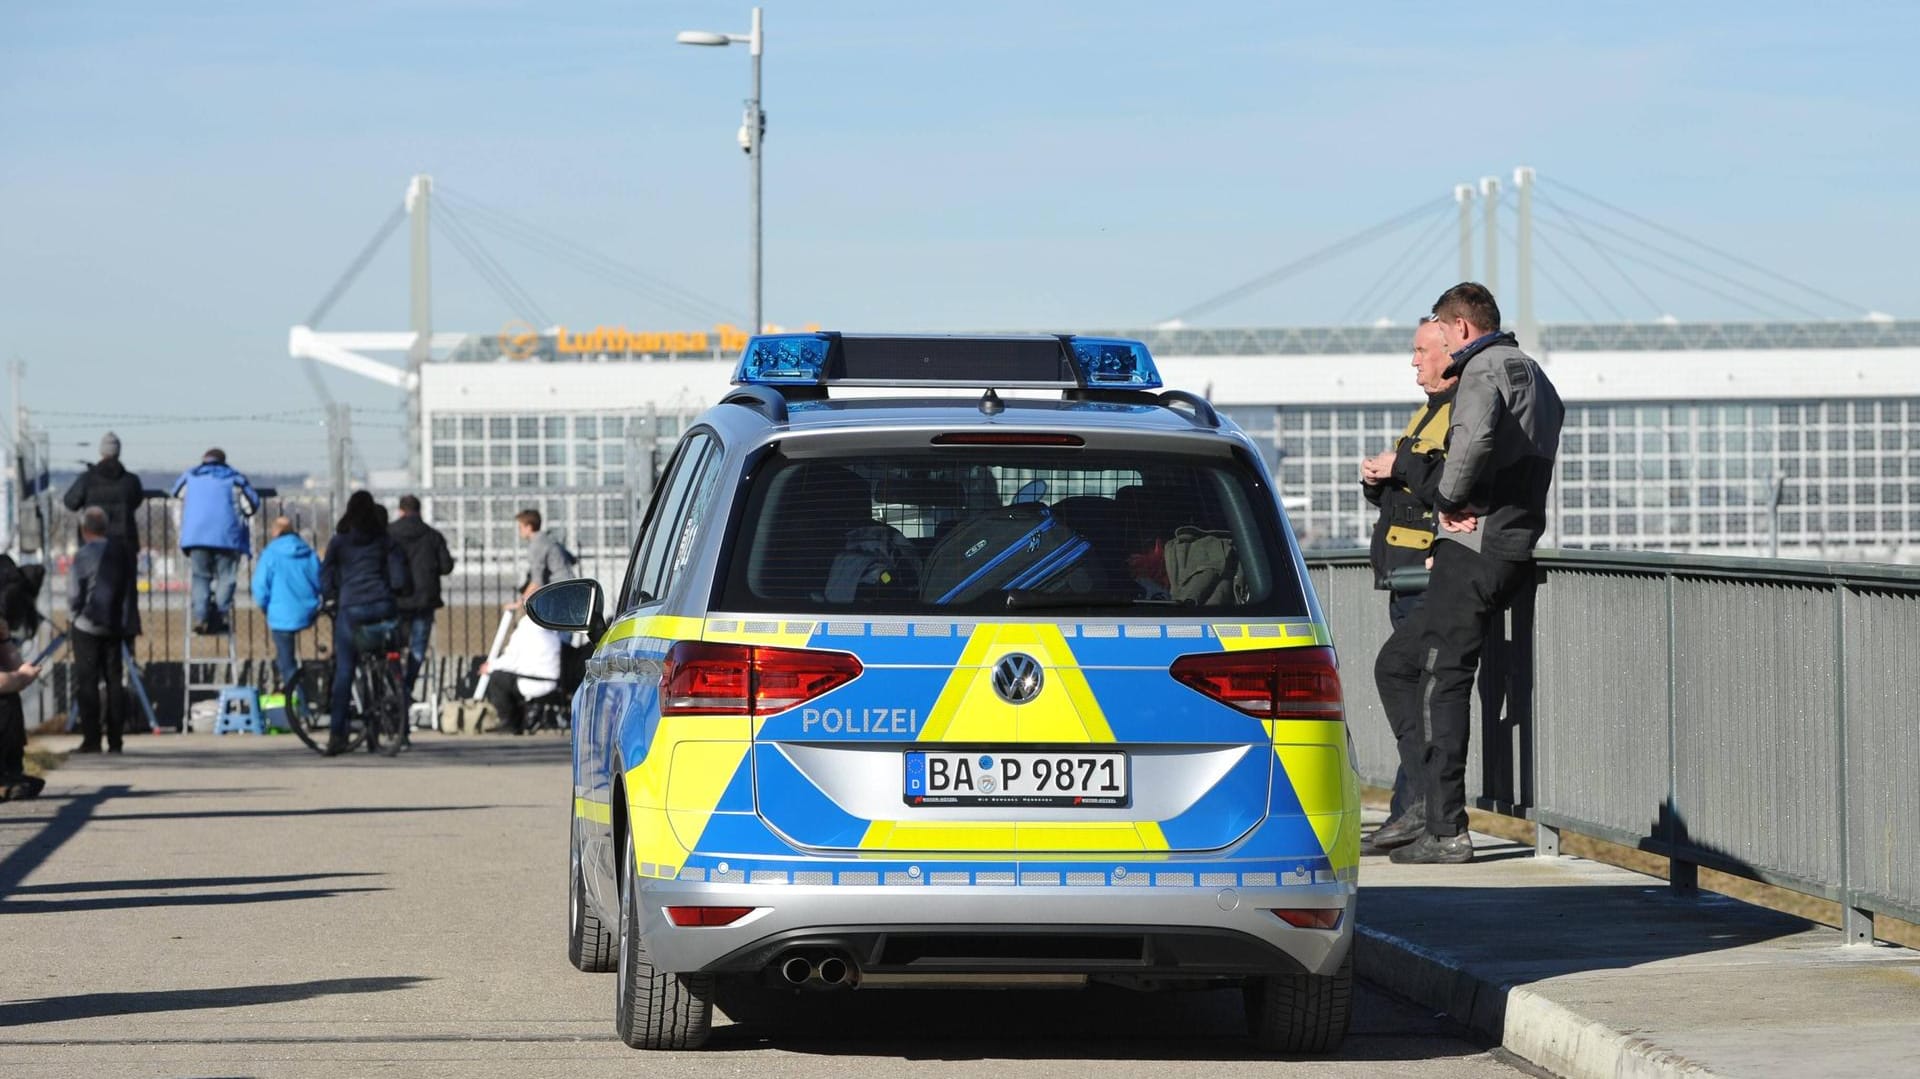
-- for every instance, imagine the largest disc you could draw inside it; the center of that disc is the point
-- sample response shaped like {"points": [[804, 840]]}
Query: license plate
{"points": [[987, 778]]}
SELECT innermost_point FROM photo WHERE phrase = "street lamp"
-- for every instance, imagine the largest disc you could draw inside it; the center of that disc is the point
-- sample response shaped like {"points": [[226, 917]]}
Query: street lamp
{"points": [[752, 130]]}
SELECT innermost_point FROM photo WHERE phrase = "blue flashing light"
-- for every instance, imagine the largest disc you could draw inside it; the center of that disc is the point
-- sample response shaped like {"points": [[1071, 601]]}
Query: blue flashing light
{"points": [[784, 359], [1114, 363]]}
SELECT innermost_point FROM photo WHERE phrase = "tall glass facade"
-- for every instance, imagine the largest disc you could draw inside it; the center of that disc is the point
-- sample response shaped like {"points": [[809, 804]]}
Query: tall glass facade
{"points": [[1676, 476]]}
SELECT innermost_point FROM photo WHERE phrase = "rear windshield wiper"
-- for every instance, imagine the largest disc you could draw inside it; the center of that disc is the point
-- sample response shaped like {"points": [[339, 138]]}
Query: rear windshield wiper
{"points": [[1024, 600]]}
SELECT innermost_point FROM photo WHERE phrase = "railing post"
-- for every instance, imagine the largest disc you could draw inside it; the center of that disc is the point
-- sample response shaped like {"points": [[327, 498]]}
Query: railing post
{"points": [[1683, 876], [1856, 925], [1546, 840]]}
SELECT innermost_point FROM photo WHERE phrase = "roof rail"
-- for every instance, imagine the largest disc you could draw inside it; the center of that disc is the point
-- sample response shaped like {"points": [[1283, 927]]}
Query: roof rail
{"points": [[1203, 413], [765, 400]]}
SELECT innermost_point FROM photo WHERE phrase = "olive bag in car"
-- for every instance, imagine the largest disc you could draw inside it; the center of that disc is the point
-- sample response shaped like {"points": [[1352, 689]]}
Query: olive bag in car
{"points": [[1022, 546]]}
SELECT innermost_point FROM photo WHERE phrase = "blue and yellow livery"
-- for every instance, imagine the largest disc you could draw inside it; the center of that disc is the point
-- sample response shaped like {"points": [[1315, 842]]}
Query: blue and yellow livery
{"points": [[923, 690]]}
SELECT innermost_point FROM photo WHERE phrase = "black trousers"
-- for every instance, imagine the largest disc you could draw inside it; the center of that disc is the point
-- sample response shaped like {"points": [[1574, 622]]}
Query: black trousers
{"points": [[1400, 607], [1425, 675], [13, 736], [509, 703], [97, 674]]}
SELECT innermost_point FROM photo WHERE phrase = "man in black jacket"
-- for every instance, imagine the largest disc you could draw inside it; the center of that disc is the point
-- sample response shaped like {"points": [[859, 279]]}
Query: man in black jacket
{"points": [[1492, 503], [1401, 482], [429, 560], [105, 611], [110, 486]]}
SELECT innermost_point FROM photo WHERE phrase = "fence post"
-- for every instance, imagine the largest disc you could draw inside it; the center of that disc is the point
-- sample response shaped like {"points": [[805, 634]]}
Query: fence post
{"points": [[1856, 925], [1683, 876]]}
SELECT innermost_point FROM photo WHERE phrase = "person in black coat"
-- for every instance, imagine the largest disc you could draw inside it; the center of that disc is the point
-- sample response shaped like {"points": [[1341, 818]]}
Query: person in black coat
{"points": [[429, 560], [362, 576], [110, 486], [104, 607]]}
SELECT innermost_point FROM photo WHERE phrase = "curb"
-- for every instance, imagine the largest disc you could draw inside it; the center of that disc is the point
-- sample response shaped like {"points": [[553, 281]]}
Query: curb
{"points": [[1525, 1023]]}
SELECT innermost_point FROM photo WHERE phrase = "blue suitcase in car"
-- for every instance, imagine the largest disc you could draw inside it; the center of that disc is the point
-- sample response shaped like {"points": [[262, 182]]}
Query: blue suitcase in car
{"points": [[1022, 546]]}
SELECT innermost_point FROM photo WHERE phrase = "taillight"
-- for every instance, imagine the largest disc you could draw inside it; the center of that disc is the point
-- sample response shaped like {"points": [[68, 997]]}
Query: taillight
{"points": [[708, 916], [1277, 683], [699, 678], [1308, 917]]}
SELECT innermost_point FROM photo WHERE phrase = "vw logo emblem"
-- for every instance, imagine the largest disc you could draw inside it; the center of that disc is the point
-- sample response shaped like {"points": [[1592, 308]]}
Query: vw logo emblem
{"points": [[1017, 678]]}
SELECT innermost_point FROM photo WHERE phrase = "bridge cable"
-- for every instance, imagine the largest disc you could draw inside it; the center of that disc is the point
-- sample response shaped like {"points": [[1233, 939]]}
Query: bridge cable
{"points": [[1574, 268], [1435, 269], [496, 275], [1710, 249], [1683, 261], [1312, 259], [1693, 282], [588, 260], [1416, 253], [358, 264]]}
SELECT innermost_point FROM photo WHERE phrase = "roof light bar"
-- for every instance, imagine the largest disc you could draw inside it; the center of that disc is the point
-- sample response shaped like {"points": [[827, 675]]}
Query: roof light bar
{"points": [[831, 359]]}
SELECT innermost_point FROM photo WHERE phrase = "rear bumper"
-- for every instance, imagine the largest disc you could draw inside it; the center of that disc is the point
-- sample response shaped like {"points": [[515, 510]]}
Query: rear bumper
{"points": [[1003, 930]]}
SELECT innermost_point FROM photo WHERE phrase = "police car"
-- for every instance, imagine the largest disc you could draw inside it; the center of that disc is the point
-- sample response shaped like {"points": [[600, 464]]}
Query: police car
{"points": [[934, 686]]}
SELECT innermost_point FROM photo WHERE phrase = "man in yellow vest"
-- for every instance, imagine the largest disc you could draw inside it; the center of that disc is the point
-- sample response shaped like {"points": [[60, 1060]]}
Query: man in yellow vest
{"points": [[1401, 481]]}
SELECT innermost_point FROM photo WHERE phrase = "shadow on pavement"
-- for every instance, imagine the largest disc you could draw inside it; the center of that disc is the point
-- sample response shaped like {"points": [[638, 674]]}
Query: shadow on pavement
{"points": [[63, 824], [161, 884], [142, 902], [95, 1005], [1098, 1023]]}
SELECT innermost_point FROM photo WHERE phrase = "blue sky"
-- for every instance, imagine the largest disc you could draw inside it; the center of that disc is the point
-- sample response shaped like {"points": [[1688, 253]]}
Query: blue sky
{"points": [[182, 182]]}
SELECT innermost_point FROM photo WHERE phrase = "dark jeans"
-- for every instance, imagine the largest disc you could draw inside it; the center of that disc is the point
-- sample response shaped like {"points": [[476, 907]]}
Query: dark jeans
{"points": [[509, 703], [97, 671], [1425, 675], [214, 573], [343, 657], [285, 663], [1400, 607], [418, 626]]}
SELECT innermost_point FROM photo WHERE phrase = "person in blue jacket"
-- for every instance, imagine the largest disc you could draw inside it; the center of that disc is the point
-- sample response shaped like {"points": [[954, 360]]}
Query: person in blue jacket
{"points": [[213, 534], [286, 585], [362, 575]]}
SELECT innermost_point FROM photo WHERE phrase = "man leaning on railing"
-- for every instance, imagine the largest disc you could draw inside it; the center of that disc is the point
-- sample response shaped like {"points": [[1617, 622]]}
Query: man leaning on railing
{"points": [[1492, 503]]}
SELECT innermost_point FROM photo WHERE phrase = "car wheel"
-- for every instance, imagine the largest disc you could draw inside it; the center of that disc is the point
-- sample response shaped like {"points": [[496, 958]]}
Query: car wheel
{"points": [[1301, 1013], [589, 941], [653, 1009]]}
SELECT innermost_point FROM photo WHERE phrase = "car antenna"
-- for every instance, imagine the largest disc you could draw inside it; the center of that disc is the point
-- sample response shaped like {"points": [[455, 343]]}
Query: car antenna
{"points": [[990, 403]]}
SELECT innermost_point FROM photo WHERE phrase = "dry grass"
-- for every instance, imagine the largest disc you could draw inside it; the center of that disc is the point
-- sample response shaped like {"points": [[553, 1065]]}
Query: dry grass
{"points": [[1812, 908]]}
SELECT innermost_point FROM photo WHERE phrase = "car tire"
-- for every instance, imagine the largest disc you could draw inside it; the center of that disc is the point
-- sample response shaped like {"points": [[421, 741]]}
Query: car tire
{"points": [[654, 1009], [1301, 1013], [589, 942]]}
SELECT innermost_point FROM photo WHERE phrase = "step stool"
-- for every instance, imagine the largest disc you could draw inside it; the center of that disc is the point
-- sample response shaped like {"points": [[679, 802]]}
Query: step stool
{"points": [[239, 712]]}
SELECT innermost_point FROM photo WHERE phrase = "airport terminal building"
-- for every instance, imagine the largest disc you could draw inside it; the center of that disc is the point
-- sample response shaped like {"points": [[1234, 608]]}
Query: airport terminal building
{"points": [[1713, 437]]}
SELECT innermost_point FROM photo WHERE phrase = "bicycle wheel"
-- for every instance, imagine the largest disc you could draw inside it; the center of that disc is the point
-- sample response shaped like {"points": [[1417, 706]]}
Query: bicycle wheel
{"points": [[390, 702], [308, 711]]}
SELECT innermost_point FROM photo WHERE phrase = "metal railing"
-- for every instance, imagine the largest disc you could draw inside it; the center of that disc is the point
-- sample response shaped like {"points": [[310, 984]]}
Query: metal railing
{"points": [[1754, 716], [597, 523]]}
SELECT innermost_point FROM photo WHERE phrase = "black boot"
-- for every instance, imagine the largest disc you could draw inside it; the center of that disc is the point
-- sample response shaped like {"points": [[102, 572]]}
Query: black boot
{"points": [[1397, 832], [1436, 850]]}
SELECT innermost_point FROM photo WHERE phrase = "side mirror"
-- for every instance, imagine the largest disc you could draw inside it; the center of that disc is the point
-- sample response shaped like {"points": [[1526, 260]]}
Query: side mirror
{"points": [[569, 606]]}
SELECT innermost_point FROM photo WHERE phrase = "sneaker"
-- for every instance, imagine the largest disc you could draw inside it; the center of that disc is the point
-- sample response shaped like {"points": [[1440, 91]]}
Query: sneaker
{"points": [[1397, 832], [87, 747], [20, 786], [113, 747], [1435, 850]]}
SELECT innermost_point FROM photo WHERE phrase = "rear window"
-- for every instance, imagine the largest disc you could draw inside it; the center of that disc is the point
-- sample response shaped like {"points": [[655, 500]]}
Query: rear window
{"points": [[1006, 529]]}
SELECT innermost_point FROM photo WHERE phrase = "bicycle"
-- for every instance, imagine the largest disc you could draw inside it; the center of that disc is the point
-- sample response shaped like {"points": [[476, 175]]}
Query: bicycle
{"points": [[378, 712]]}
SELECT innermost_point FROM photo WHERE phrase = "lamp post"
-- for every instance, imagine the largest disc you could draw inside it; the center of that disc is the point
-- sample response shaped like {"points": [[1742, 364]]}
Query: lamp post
{"points": [[752, 130]]}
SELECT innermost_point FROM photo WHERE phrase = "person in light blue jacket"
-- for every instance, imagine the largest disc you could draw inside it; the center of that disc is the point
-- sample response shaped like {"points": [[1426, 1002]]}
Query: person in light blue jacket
{"points": [[213, 534], [286, 585]]}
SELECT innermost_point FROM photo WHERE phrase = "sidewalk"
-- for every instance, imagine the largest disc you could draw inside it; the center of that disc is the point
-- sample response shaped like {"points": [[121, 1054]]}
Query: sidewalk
{"points": [[1588, 970]]}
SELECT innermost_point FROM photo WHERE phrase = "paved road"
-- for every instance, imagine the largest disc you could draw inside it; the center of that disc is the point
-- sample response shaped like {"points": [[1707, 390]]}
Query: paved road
{"points": [[238, 906]]}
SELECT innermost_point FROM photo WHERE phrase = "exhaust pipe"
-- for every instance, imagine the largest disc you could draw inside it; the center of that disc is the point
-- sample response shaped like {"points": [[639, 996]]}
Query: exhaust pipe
{"points": [[796, 970], [832, 970]]}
